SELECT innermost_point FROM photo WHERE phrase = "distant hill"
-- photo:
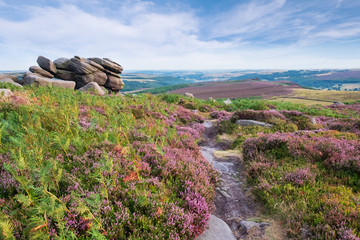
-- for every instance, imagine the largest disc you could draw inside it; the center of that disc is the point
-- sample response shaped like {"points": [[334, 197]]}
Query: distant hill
{"points": [[318, 79]]}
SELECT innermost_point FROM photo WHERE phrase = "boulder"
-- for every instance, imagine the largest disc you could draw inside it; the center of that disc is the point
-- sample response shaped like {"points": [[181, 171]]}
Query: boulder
{"points": [[65, 75], [338, 103], [108, 64], [8, 80], [62, 63], [41, 81], [40, 71], [12, 77], [81, 67], [5, 93], [98, 77], [227, 101], [114, 83], [313, 120], [189, 95], [92, 87], [245, 122], [218, 230], [46, 64]]}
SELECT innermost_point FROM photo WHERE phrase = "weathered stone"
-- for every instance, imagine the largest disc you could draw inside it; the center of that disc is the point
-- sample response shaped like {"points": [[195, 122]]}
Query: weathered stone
{"points": [[12, 77], [98, 77], [62, 63], [5, 93], [313, 120], [40, 71], [8, 80], [108, 64], [252, 228], [244, 122], [338, 103], [46, 64], [108, 72], [65, 75], [92, 87], [189, 95], [114, 83], [212, 99], [81, 67], [227, 101], [218, 230], [41, 81]]}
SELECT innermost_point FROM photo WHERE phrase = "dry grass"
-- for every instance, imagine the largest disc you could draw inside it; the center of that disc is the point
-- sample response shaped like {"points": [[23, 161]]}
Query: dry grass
{"points": [[322, 97], [227, 154]]}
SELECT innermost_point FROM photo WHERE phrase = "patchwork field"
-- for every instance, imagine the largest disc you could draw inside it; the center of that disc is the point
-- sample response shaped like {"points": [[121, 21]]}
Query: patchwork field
{"points": [[322, 97], [239, 89]]}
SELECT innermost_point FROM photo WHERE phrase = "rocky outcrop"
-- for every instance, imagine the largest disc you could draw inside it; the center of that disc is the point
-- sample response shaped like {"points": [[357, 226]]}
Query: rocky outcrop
{"points": [[81, 71]]}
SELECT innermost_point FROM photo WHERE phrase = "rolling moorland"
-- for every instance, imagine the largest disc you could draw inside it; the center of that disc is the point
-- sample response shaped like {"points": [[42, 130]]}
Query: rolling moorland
{"points": [[318, 79], [78, 165]]}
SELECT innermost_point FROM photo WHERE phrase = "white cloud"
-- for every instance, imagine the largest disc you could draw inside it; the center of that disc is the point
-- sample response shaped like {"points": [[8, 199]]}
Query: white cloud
{"points": [[139, 37], [246, 18], [345, 30], [68, 31]]}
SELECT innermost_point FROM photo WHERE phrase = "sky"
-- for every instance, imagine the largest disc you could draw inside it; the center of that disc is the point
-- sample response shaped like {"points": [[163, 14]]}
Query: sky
{"points": [[183, 34]]}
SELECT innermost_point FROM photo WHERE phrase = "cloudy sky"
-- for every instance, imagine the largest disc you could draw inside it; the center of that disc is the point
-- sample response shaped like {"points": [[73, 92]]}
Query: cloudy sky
{"points": [[184, 34]]}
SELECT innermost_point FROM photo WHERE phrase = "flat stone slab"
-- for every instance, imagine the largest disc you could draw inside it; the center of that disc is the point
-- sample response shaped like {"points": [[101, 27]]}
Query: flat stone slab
{"points": [[42, 81], [244, 122], [218, 230], [8, 80]]}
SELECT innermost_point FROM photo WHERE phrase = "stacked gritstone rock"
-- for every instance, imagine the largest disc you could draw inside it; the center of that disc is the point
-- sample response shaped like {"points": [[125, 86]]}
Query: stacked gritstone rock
{"points": [[76, 73]]}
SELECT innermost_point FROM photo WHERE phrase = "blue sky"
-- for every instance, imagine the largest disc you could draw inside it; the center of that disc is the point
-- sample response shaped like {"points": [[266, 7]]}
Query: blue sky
{"points": [[184, 34]]}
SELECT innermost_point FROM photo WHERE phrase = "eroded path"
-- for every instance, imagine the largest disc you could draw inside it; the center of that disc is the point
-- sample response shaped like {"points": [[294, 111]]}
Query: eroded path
{"points": [[234, 202]]}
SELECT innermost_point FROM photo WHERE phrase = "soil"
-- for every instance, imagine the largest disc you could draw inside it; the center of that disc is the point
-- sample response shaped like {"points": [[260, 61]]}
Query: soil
{"points": [[233, 202]]}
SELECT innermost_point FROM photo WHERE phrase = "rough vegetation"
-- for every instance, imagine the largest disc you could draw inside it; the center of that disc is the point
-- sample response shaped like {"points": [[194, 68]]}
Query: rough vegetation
{"points": [[77, 165], [305, 172]]}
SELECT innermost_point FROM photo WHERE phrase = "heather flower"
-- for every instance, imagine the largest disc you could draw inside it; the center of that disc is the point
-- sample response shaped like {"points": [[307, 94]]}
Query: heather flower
{"points": [[300, 176]]}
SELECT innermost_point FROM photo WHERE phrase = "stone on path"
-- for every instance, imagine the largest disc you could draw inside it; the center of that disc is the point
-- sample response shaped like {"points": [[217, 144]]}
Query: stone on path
{"points": [[92, 87], [252, 228], [218, 230]]}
